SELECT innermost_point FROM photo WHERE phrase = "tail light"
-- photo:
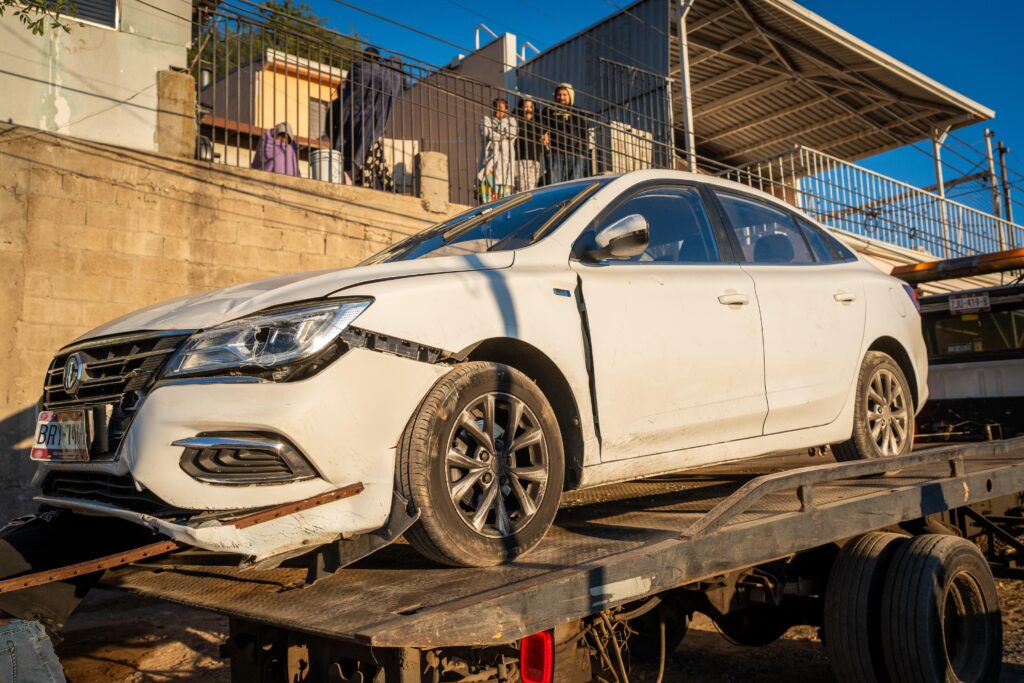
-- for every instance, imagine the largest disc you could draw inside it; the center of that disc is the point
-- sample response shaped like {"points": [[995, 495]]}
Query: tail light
{"points": [[912, 293], [537, 658]]}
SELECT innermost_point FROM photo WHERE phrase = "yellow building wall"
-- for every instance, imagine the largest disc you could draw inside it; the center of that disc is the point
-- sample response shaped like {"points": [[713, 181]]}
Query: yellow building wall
{"points": [[285, 97]]}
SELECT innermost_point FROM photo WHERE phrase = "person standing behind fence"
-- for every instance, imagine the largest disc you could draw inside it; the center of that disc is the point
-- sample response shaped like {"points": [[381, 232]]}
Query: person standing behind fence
{"points": [[359, 116], [277, 151], [497, 153], [565, 136], [529, 146]]}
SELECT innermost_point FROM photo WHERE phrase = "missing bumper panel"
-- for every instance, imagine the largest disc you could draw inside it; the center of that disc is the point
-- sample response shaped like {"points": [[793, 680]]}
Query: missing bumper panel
{"points": [[374, 341]]}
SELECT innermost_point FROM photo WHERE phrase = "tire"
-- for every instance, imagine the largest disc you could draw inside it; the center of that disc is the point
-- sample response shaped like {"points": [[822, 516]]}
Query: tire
{"points": [[940, 613], [645, 641], [868, 412], [446, 442], [853, 597], [754, 626]]}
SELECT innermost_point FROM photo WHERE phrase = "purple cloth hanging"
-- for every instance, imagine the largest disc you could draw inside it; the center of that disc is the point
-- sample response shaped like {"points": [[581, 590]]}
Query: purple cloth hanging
{"points": [[277, 156]]}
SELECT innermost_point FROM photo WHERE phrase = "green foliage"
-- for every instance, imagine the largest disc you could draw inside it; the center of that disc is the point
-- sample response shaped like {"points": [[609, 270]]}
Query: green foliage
{"points": [[227, 42], [35, 15]]}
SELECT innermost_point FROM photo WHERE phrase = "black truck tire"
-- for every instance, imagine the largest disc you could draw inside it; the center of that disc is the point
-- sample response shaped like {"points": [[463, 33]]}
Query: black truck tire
{"points": [[483, 499], [940, 613], [853, 599]]}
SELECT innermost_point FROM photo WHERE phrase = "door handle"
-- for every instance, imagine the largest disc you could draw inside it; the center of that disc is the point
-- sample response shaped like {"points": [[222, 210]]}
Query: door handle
{"points": [[844, 297], [733, 299]]}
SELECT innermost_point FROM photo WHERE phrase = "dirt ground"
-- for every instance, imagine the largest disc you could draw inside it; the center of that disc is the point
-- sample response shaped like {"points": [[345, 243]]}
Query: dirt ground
{"points": [[123, 638]]}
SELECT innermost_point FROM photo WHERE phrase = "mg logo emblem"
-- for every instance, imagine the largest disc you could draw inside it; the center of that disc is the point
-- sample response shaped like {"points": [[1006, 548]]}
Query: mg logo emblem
{"points": [[73, 371]]}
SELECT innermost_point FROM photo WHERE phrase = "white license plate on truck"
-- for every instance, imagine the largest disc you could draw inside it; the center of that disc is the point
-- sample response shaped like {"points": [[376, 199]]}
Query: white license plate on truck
{"points": [[61, 435], [969, 303]]}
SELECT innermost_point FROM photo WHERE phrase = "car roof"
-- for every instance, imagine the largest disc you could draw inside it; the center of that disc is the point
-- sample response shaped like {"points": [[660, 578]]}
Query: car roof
{"points": [[667, 174]]}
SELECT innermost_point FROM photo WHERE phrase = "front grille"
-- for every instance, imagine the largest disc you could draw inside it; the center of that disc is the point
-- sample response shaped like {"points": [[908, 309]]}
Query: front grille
{"points": [[119, 491], [116, 374]]}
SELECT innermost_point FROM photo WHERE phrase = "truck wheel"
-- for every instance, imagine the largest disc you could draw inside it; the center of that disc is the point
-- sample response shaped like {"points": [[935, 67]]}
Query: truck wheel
{"points": [[754, 626], [481, 459], [940, 613], [883, 414], [645, 641], [852, 613]]}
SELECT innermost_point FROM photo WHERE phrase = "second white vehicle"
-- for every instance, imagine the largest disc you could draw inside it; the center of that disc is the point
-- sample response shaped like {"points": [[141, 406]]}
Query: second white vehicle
{"points": [[589, 332]]}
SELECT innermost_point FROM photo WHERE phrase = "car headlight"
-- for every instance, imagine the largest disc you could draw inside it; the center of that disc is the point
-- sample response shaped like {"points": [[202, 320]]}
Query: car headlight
{"points": [[266, 340]]}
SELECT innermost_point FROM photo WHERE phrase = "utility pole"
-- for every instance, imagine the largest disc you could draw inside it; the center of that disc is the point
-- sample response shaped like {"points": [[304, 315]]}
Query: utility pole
{"points": [[996, 209], [938, 138], [1003, 151]]}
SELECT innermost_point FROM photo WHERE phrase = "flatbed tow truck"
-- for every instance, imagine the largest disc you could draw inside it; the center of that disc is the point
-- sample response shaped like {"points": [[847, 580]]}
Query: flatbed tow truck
{"points": [[893, 558], [759, 546]]}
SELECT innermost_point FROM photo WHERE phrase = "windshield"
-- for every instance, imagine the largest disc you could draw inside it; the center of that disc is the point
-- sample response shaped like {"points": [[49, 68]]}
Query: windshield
{"points": [[512, 223]]}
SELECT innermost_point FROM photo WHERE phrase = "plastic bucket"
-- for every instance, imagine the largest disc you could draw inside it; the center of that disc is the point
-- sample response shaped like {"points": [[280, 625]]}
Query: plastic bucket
{"points": [[325, 164]]}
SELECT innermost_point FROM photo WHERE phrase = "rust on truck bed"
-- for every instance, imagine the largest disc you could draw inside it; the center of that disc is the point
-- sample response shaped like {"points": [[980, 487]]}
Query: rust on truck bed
{"points": [[609, 546]]}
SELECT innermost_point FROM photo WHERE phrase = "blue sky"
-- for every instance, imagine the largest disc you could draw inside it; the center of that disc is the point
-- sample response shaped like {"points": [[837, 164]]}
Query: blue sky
{"points": [[971, 47]]}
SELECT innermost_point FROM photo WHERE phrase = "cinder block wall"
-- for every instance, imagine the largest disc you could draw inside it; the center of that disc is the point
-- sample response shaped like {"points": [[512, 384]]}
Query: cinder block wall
{"points": [[89, 232]]}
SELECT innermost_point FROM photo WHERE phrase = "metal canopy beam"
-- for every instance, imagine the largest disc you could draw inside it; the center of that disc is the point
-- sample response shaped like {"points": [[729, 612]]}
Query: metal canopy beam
{"points": [[709, 19], [791, 135], [722, 49], [727, 75], [878, 130], [742, 95], [873, 87], [767, 118]]}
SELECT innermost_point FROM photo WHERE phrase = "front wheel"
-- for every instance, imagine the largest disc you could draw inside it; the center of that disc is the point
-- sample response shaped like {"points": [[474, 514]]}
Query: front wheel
{"points": [[883, 418], [482, 461]]}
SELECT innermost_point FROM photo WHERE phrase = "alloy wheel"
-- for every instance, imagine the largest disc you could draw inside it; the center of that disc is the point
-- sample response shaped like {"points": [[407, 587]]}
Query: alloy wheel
{"points": [[497, 465], [888, 414]]}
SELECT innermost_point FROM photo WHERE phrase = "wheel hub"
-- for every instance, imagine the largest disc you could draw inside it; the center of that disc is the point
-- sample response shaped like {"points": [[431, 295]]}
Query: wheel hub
{"points": [[497, 465]]}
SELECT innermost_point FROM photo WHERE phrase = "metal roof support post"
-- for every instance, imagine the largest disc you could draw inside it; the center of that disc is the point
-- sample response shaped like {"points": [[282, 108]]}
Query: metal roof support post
{"points": [[938, 138], [685, 95]]}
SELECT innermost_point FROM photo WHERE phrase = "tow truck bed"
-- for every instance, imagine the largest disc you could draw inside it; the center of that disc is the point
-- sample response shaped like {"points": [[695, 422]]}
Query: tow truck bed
{"points": [[609, 546]]}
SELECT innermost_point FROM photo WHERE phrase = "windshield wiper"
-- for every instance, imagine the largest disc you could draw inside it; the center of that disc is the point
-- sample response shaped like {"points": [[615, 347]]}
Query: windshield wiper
{"points": [[568, 206], [484, 216]]}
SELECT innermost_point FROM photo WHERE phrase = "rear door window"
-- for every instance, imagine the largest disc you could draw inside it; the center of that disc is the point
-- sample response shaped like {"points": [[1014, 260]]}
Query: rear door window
{"points": [[766, 235], [826, 247]]}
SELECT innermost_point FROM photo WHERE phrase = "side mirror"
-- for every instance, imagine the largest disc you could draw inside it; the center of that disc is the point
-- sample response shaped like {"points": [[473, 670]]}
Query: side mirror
{"points": [[625, 238]]}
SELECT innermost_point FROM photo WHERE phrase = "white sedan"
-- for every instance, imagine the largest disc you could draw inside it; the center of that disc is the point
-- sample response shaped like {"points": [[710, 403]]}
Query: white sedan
{"points": [[588, 332]]}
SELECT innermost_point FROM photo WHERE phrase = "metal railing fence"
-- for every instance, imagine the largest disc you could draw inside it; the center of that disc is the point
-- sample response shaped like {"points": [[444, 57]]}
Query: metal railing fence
{"points": [[351, 115], [852, 198]]}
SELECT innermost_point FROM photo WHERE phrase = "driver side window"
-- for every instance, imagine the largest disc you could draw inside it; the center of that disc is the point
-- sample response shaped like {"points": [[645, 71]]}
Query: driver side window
{"points": [[680, 229]]}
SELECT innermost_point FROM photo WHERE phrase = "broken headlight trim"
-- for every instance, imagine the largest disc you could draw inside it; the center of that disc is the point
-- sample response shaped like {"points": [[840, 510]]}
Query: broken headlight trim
{"points": [[266, 340]]}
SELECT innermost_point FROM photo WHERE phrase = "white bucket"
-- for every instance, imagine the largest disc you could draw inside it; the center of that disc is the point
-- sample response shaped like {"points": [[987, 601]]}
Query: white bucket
{"points": [[325, 164]]}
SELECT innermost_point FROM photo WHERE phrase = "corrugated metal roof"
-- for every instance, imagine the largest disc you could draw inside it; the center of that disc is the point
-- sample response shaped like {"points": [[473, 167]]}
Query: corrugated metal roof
{"points": [[766, 75], [770, 74]]}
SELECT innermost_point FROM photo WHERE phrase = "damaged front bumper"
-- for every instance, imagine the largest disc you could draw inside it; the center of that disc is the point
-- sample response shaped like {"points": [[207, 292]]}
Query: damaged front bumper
{"points": [[345, 421]]}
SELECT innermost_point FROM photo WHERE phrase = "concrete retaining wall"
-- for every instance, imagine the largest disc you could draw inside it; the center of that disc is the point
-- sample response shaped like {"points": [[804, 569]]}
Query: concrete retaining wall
{"points": [[89, 232]]}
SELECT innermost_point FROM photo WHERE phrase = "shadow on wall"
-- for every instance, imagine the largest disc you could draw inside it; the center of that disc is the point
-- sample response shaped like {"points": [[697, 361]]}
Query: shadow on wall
{"points": [[16, 472]]}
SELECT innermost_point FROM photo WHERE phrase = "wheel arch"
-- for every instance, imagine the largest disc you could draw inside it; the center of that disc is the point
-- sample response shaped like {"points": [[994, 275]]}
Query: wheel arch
{"points": [[536, 365], [895, 350]]}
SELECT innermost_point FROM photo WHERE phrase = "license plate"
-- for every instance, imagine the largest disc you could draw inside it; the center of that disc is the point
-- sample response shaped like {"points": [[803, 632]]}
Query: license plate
{"points": [[969, 303], [61, 435]]}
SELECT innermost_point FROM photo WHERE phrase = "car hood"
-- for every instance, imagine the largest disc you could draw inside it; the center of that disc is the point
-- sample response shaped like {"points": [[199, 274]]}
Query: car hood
{"points": [[200, 311]]}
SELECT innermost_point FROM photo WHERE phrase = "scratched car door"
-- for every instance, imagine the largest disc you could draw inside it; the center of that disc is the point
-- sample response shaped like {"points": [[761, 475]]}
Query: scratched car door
{"points": [[675, 333]]}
